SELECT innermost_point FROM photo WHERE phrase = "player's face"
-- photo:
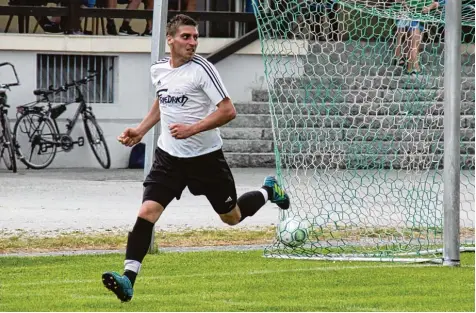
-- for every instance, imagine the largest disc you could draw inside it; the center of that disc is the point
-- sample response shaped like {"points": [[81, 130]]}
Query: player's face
{"points": [[185, 42]]}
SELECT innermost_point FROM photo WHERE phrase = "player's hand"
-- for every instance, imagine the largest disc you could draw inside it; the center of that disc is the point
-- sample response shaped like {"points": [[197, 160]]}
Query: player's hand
{"points": [[181, 131], [425, 10], [130, 137]]}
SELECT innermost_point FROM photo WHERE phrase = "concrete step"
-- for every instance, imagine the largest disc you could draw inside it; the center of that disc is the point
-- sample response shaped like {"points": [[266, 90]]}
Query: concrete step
{"points": [[238, 159], [385, 58], [383, 108], [314, 68], [369, 82], [246, 133], [411, 134], [342, 134], [343, 161], [369, 147], [368, 122], [370, 161], [339, 147], [355, 96], [247, 145], [383, 49]]}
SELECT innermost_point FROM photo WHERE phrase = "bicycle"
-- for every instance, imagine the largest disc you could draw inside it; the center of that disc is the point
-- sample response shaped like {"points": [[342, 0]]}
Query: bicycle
{"points": [[43, 133], [7, 146]]}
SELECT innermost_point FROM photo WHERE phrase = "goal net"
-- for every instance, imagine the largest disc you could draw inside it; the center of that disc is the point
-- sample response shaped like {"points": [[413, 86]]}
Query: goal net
{"points": [[358, 127]]}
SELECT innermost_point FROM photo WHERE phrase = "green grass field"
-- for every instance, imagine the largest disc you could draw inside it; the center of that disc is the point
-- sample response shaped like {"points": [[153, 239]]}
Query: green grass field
{"points": [[235, 281]]}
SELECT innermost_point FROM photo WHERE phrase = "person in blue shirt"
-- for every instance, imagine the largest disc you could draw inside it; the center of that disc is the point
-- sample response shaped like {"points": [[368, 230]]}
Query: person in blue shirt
{"points": [[249, 8]]}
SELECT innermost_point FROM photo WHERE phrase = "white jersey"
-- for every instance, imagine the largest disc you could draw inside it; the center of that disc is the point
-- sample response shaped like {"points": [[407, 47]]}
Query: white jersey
{"points": [[187, 94]]}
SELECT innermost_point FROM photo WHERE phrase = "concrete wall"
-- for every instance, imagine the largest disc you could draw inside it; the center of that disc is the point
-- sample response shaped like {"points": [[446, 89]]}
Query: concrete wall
{"points": [[241, 73]]}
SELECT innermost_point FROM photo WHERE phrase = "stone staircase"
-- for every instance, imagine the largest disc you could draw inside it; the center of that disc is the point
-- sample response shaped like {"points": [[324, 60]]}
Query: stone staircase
{"points": [[353, 110]]}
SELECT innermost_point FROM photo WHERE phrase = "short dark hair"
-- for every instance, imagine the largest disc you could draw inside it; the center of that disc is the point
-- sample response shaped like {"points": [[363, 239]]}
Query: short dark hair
{"points": [[177, 21]]}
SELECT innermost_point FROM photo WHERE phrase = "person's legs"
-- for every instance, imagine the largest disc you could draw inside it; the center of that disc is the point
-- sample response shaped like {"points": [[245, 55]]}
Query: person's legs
{"points": [[334, 21], [190, 5], [173, 5], [110, 25], [149, 5], [48, 25], [138, 243], [399, 56], [125, 28], [316, 19], [163, 183], [399, 44], [139, 238], [131, 5], [250, 202], [415, 39], [211, 176]]}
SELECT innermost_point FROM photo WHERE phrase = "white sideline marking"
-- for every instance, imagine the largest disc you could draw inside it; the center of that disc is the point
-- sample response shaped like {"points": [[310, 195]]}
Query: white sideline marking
{"points": [[260, 272]]}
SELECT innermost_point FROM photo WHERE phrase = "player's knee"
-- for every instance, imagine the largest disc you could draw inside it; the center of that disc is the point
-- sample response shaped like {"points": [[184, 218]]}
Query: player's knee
{"points": [[231, 218], [150, 210]]}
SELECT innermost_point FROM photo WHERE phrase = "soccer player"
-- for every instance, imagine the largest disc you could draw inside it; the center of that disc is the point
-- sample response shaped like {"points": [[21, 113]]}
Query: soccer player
{"points": [[191, 103]]}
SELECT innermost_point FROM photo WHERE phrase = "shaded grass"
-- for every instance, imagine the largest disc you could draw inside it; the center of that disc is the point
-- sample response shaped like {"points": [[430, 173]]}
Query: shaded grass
{"points": [[21, 241], [235, 281]]}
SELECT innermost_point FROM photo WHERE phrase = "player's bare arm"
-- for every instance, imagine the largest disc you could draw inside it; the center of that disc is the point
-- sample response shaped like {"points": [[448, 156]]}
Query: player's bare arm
{"points": [[132, 136], [224, 114]]}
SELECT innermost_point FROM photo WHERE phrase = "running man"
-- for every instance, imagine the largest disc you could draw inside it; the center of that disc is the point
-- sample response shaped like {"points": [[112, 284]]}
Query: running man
{"points": [[191, 104]]}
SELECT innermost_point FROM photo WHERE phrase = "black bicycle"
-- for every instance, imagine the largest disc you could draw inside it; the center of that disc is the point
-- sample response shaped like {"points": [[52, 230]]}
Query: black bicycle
{"points": [[37, 134], [7, 146]]}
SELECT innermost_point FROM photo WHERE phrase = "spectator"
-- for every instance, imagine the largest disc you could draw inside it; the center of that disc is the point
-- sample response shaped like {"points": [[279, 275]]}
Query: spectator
{"points": [[148, 27], [249, 8], [57, 24], [44, 22], [126, 29], [182, 5], [413, 30]]}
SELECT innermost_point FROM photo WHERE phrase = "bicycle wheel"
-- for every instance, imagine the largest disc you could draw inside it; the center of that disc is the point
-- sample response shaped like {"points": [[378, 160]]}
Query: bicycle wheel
{"points": [[97, 141], [7, 145], [3, 147], [35, 137]]}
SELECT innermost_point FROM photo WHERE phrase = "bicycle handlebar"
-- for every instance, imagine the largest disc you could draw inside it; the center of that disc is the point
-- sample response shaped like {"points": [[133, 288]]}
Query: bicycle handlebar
{"points": [[7, 86], [74, 83]]}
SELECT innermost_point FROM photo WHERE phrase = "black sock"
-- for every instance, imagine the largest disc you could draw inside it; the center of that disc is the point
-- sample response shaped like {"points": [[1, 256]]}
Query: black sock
{"points": [[138, 242], [131, 275], [125, 24], [250, 203]]}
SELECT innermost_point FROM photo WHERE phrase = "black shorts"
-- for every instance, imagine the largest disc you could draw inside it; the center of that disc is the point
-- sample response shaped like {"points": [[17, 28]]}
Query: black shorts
{"points": [[207, 175]]}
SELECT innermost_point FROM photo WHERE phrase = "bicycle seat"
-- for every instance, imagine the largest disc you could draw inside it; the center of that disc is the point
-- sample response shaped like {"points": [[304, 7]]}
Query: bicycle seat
{"points": [[42, 92]]}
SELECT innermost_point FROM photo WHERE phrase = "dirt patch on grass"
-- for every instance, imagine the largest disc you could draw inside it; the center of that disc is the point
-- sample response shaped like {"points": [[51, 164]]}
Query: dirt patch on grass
{"points": [[116, 239]]}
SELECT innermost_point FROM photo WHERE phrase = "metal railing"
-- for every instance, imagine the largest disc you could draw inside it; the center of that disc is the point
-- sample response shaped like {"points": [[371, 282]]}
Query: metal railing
{"points": [[73, 12]]}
